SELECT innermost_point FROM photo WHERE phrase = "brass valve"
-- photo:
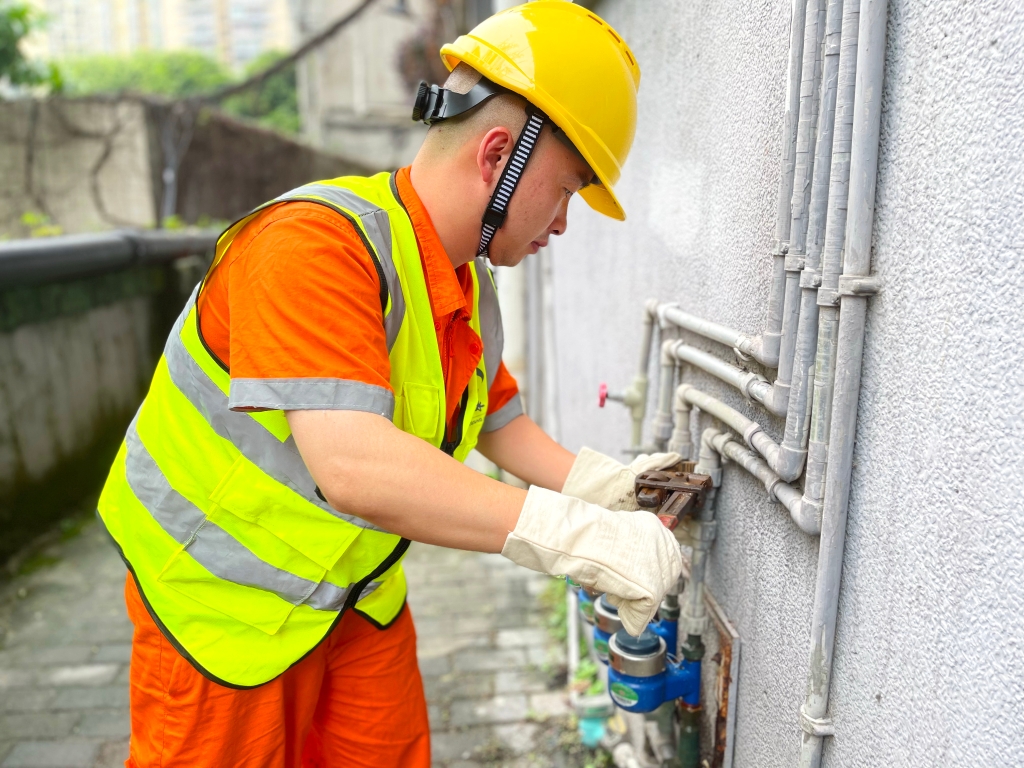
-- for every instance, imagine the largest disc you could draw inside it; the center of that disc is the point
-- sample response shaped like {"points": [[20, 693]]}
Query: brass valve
{"points": [[672, 494]]}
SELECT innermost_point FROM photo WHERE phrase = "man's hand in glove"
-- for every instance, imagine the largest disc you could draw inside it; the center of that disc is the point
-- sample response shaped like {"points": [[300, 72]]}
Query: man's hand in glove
{"points": [[633, 558], [602, 480]]}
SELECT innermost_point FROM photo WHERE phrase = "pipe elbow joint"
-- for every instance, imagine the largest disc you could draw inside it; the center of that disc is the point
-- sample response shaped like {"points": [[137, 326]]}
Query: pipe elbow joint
{"points": [[764, 348], [659, 313], [790, 462], [774, 397], [806, 513]]}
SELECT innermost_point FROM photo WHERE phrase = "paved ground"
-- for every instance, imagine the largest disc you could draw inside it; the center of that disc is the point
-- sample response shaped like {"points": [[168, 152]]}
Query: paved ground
{"points": [[65, 645]]}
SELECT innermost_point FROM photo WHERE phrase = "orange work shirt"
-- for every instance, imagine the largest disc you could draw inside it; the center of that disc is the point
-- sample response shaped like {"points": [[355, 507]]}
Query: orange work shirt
{"points": [[298, 296]]}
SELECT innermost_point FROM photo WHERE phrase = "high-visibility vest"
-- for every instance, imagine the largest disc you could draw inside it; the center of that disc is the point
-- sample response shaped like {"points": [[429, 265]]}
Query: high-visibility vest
{"points": [[238, 557]]}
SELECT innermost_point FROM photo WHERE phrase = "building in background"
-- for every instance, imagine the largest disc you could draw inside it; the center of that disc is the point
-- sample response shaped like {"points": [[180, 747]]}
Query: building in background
{"points": [[355, 92], [233, 31]]}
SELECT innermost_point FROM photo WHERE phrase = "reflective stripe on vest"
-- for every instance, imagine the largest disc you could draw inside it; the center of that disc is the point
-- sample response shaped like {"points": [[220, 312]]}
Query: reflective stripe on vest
{"points": [[244, 566]]}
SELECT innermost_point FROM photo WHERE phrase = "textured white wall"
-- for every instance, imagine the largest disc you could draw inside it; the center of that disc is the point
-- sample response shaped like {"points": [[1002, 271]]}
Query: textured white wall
{"points": [[930, 656]]}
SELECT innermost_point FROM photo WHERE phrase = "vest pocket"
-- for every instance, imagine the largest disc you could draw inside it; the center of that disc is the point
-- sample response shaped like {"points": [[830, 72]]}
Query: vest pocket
{"points": [[257, 608], [420, 407], [246, 492]]}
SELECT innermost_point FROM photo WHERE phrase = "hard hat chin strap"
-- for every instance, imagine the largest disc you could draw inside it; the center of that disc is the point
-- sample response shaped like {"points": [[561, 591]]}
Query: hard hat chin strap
{"points": [[434, 105], [497, 208]]}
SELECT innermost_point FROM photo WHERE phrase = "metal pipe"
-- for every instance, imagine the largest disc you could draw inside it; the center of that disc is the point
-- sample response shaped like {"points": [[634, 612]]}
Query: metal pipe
{"points": [[852, 316], [802, 174], [709, 330], [67, 257], [806, 518], [790, 125], [806, 146], [768, 345], [534, 341], [693, 619], [551, 423]]}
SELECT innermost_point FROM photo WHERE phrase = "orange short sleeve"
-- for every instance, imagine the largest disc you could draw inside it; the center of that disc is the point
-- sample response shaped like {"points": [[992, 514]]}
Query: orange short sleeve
{"points": [[295, 314], [503, 400]]}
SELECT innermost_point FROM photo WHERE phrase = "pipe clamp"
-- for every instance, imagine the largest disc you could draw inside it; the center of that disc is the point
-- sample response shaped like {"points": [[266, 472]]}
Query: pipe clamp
{"points": [[859, 285], [795, 262], [663, 323], [810, 278], [815, 726]]}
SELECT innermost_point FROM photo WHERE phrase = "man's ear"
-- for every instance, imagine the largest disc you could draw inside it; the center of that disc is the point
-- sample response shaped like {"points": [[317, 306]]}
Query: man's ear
{"points": [[492, 153]]}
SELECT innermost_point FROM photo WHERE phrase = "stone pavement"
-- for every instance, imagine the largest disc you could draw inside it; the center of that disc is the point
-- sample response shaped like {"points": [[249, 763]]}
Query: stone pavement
{"points": [[486, 662]]}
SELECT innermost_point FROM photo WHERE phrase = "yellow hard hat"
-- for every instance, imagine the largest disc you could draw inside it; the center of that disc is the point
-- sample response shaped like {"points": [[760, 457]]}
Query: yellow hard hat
{"points": [[570, 63]]}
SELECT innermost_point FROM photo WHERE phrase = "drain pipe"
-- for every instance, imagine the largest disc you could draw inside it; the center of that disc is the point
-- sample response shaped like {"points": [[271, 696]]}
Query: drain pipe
{"points": [[853, 310]]}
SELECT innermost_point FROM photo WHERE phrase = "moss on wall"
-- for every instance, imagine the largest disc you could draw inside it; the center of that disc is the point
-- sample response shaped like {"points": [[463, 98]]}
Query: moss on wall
{"points": [[32, 502]]}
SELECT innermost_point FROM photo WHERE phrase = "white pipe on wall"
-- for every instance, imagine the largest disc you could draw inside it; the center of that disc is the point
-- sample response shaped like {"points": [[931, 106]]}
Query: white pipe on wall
{"points": [[853, 310]]}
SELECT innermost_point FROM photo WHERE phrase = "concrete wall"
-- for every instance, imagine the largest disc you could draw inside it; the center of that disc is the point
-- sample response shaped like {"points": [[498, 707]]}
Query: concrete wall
{"points": [[84, 164], [930, 669], [90, 164], [75, 360]]}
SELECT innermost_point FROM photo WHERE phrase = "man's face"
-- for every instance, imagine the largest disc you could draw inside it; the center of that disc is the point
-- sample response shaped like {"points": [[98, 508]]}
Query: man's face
{"points": [[538, 207]]}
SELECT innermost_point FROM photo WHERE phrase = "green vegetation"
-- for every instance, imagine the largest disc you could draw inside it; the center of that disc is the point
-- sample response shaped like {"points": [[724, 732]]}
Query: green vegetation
{"points": [[165, 73], [39, 225], [272, 104], [17, 20]]}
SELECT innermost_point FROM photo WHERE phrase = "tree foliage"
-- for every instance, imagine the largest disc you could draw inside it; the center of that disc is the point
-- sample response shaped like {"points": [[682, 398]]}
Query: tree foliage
{"points": [[274, 103], [167, 73], [17, 20]]}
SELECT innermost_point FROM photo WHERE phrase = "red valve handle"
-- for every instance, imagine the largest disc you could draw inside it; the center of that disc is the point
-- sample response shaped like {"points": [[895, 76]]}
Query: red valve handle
{"points": [[602, 395]]}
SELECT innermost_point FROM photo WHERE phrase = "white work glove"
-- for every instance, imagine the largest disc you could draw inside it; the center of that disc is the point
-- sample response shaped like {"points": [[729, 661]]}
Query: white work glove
{"points": [[633, 558], [602, 480]]}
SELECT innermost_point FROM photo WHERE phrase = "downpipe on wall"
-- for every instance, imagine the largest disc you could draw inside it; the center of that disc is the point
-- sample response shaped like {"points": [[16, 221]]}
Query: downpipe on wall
{"points": [[849, 348]]}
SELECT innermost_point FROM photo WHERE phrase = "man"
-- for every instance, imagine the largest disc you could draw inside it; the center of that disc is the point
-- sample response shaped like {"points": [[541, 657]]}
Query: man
{"points": [[288, 448]]}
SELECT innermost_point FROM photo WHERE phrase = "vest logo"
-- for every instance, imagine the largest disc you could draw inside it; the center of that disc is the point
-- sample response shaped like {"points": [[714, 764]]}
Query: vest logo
{"points": [[479, 406]]}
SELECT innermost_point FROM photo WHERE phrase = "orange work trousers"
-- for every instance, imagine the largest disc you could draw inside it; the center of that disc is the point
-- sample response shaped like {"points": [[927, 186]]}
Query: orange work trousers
{"points": [[356, 701]]}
